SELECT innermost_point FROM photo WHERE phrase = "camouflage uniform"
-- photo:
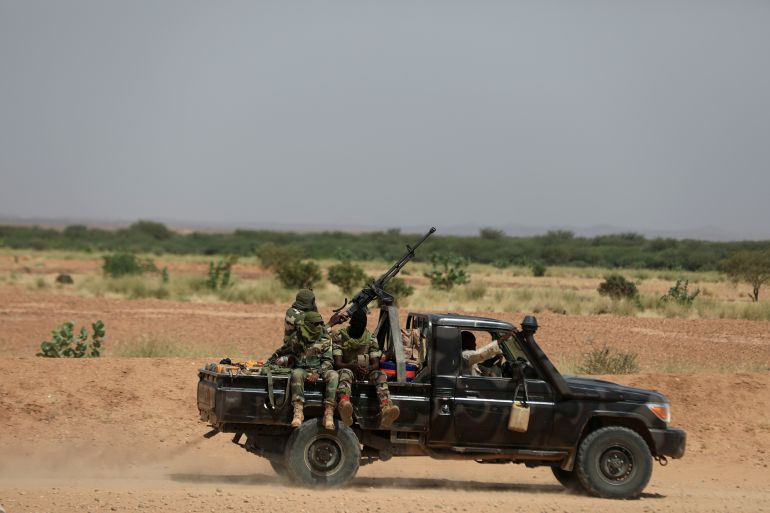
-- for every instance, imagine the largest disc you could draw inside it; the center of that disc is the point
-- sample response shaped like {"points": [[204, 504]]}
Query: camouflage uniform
{"points": [[350, 349], [472, 358], [311, 350], [414, 348], [304, 302], [359, 351]]}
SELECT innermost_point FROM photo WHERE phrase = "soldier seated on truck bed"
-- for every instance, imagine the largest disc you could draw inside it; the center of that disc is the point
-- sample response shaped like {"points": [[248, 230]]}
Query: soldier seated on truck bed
{"points": [[303, 303], [309, 352], [357, 355]]}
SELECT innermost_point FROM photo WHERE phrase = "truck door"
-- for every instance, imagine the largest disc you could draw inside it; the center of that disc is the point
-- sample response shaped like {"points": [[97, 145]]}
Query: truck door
{"points": [[482, 405], [444, 357]]}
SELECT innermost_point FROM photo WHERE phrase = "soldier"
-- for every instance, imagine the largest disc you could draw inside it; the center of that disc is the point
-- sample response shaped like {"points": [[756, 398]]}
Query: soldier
{"points": [[303, 303], [472, 357], [311, 351], [357, 355]]}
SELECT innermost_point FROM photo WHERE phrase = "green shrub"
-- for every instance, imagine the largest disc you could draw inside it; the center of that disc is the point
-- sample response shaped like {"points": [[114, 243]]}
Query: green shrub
{"points": [[606, 361], [447, 271], [299, 274], [399, 289], [347, 276], [749, 266], [617, 287], [64, 344], [121, 264], [220, 273], [64, 279], [272, 255], [538, 269], [679, 294], [491, 233], [164, 276], [157, 231], [501, 263]]}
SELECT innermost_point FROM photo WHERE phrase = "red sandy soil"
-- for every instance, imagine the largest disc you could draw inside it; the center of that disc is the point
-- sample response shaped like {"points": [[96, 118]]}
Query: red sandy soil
{"points": [[120, 434], [240, 330]]}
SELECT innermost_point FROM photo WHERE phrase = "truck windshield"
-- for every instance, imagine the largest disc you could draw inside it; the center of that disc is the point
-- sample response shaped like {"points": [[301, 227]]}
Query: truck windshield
{"points": [[512, 350]]}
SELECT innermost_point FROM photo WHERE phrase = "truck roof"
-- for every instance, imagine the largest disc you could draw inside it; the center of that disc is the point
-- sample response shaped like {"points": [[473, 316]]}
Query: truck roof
{"points": [[466, 321]]}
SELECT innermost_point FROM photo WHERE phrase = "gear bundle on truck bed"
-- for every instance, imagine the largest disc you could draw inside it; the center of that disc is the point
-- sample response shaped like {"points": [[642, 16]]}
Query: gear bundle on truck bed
{"points": [[596, 436]]}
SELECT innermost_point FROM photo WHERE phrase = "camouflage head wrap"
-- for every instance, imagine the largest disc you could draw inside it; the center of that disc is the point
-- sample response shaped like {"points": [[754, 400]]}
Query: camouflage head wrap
{"points": [[305, 301], [311, 325]]}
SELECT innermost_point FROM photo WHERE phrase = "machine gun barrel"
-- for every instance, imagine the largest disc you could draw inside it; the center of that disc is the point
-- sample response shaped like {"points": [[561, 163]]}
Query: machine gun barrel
{"points": [[376, 289]]}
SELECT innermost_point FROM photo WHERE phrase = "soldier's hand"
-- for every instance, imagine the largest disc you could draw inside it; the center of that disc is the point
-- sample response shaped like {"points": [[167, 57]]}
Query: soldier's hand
{"points": [[338, 318], [362, 370], [312, 378]]}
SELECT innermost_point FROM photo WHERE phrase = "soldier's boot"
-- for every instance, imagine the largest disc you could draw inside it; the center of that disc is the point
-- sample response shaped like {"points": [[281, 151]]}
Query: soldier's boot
{"points": [[389, 412], [329, 417], [299, 414], [346, 410]]}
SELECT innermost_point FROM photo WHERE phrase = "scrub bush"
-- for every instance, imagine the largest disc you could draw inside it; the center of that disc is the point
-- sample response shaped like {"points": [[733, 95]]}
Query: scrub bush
{"points": [[447, 271], [617, 287], [299, 274], [347, 276], [65, 344]]}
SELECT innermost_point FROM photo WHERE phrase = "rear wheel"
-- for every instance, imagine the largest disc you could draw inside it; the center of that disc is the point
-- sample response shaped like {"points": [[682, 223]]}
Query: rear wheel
{"points": [[567, 478], [322, 458], [279, 467], [614, 462]]}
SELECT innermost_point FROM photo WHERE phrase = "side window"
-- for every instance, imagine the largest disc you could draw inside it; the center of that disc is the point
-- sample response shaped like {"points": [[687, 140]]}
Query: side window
{"points": [[481, 356]]}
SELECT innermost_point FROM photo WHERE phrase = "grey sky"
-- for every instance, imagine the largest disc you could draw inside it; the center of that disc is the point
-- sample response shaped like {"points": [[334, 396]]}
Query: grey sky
{"points": [[639, 114]]}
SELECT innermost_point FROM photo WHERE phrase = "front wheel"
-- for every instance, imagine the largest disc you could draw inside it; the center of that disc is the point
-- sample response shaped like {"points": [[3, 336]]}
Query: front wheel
{"points": [[321, 458], [567, 478], [614, 463]]}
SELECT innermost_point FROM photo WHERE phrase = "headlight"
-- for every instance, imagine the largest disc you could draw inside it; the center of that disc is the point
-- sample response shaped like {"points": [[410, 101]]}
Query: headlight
{"points": [[661, 410]]}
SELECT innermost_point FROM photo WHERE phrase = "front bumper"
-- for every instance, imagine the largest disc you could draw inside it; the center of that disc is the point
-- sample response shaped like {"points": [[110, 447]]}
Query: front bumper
{"points": [[669, 442]]}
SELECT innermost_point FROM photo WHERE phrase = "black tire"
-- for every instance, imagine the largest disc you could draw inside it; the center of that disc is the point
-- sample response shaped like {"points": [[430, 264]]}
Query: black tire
{"points": [[614, 463], [568, 479], [321, 458], [279, 467]]}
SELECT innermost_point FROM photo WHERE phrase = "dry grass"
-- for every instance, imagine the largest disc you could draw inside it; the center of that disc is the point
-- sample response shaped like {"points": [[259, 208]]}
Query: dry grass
{"points": [[564, 290], [148, 346]]}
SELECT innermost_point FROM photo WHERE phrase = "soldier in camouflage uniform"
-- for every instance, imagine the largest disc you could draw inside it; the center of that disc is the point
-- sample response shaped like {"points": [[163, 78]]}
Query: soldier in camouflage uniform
{"points": [[357, 355], [303, 303], [309, 352]]}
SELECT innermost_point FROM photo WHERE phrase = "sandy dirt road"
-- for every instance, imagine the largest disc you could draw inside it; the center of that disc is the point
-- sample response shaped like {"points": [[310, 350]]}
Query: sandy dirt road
{"points": [[122, 434]]}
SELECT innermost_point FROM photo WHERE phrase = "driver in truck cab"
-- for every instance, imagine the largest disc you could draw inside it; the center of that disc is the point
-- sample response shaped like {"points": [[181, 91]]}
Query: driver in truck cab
{"points": [[309, 351], [472, 357]]}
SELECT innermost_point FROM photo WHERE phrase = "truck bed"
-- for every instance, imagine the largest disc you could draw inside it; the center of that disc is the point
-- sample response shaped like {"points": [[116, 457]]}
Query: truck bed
{"points": [[230, 402]]}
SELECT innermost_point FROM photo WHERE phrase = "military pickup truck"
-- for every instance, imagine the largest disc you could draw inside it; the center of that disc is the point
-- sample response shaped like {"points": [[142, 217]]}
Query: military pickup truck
{"points": [[597, 437]]}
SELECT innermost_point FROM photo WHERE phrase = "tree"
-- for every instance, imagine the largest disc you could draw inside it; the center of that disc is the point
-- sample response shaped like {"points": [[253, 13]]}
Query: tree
{"points": [[157, 231], [617, 287], [491, 233], [347, 276], [299, 274], [752, 267], [447, 271]]}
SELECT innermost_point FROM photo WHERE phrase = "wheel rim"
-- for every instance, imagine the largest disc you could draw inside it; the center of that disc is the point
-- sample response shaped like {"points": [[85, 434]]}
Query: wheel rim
{"points": [[616, 464], [323, 455]]}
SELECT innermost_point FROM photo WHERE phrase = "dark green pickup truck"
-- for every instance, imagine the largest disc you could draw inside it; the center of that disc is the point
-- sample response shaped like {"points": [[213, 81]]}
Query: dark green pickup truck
{"points": [[597, 436]]}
